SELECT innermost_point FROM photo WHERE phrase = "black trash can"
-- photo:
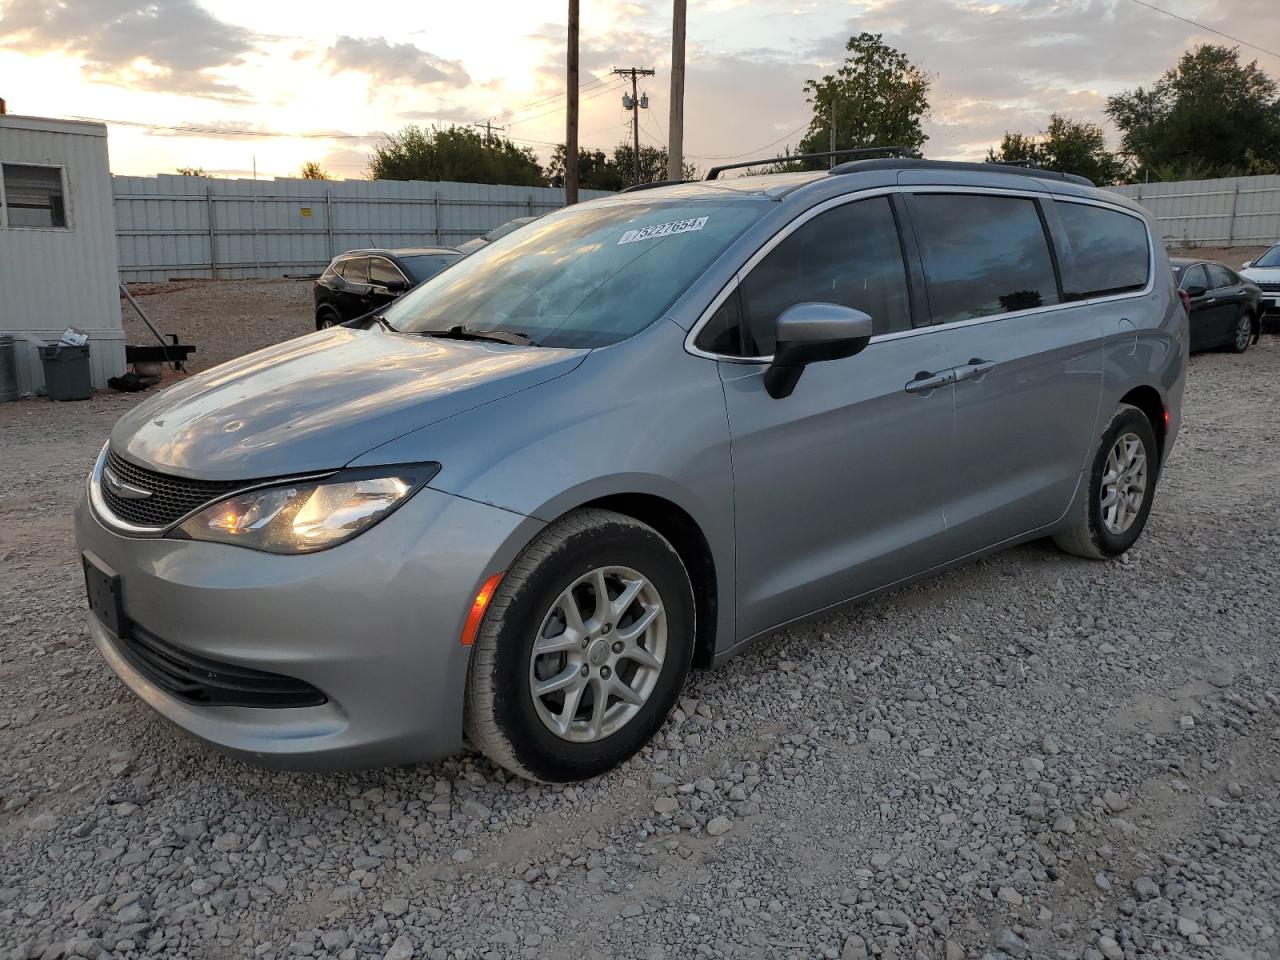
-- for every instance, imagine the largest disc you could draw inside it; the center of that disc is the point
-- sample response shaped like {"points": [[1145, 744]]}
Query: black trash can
{"points": [[67, 374]]}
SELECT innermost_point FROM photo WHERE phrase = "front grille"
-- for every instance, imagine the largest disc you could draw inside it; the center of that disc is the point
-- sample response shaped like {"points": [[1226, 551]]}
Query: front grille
{"points": [[199, 680], [171, 497], [1271, 286]]}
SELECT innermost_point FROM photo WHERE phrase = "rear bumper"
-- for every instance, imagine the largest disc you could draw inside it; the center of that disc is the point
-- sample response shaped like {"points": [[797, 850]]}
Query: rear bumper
{"points": [[374, 624]]}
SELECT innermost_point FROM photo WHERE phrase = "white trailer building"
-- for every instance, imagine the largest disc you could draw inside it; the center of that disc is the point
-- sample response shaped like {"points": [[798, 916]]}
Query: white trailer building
{"points": [[58, 265]]}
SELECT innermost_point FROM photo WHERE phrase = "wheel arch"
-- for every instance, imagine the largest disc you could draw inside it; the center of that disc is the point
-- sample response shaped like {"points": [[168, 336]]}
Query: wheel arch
{"points": [[689, 541], [1148, 399]]}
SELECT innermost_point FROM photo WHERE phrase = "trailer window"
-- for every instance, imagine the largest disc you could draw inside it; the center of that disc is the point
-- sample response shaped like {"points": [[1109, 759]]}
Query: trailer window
{"points": [[33, 196]]}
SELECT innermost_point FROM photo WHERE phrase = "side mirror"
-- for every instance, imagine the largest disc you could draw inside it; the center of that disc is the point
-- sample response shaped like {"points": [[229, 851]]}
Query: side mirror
{"points": [[396, 286], [1246, 265], [1195, 290], [810, 333]]}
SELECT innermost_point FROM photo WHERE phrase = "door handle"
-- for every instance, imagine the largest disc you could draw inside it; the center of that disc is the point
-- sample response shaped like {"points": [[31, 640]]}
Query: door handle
{"points": [[975, 369], [925, 381]]}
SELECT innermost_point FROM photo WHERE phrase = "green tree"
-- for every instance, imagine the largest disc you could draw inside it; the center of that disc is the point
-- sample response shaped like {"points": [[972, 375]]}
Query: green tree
{"points": [[313, 171], [192, 172], [455, 153], [599, 171], [1067, 146], [1209, 116], [877, 98]]}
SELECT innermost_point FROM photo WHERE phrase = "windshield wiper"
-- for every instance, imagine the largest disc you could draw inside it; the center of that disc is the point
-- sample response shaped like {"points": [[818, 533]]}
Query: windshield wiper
{"points": [[462, 332], [383, 322]]}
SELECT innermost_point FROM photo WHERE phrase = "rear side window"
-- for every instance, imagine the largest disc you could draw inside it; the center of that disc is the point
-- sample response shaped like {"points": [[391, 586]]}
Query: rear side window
{"points": [[1220, 276], [1109, 251], [355, 270], [850, 255], [982, 255]]}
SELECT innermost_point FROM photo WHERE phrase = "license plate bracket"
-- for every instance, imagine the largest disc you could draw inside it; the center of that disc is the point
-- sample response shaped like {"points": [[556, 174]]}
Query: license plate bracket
{"points": [[106, 595]]}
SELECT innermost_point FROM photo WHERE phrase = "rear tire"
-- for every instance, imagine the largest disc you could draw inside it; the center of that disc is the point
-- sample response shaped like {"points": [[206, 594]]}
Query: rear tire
{"points": [[1112, 514], [327, 317], [1243, 335], [611, 674]]}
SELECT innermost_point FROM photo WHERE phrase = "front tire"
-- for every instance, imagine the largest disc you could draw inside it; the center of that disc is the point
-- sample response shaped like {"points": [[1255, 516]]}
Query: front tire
{"points": [[1112, 515], [562, 686], [327, 317]]}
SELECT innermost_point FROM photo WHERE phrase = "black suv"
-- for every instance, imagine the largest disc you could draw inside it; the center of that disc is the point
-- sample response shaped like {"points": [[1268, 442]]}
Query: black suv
{"points": [[359, 281]]}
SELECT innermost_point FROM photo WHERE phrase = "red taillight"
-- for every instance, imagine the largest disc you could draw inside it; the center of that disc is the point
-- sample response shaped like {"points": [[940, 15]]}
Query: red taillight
{"points": [[1166, 418], [1186, 302]]}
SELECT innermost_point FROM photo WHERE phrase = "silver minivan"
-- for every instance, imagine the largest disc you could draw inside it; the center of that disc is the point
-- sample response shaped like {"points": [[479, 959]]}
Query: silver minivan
{"points": [[630, 438]]}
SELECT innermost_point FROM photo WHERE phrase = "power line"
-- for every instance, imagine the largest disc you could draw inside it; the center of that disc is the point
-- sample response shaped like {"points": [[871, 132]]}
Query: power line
{"points": [[556, 109], [590, 84], [785, 136], [1201, 26], [233, 132]]}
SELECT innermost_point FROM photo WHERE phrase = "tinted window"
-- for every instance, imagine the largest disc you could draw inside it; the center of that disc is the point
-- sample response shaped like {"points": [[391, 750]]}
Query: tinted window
{"points": [[427, 264], [850, 255], [982, 255], [585, 276], [1109, 252], [1195, 277], [1269, 259], [383, 271], [1220, 276], [356, 269], [33, 196]]}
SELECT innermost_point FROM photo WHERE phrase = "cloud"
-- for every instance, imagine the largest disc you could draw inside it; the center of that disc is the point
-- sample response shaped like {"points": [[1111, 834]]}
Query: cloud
{"points": [[394, 63], [173, 46]]}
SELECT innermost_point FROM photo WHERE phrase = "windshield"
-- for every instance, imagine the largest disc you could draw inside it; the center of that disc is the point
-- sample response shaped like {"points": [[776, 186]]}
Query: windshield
{"points": [[1269, 259], [580, 277], [423, 265]]}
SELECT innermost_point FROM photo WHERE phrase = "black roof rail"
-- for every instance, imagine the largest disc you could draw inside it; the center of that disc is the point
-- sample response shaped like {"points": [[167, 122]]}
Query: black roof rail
{"points": [[714, 172], [860, 166], [655, 183]]}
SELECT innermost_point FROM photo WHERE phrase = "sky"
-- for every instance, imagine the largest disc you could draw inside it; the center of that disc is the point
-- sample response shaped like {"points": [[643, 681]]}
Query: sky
{"points": [[327, 80]]}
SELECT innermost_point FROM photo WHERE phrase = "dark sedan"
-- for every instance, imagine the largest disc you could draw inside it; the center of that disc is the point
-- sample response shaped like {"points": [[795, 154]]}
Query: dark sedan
{"points": [[1225, 307], [359, 281]]}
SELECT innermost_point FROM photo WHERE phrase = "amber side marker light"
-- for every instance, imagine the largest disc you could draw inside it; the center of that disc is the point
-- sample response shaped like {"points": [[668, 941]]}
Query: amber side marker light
{"points": [[478, 607]]}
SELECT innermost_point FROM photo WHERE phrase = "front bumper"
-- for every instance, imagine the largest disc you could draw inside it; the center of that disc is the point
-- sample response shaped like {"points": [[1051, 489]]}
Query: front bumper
{"points": [[373, 623]]}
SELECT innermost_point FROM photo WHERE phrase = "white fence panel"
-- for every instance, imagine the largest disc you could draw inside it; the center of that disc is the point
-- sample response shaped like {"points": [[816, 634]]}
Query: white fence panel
{"points": [[171, 227], [1228, 212]]}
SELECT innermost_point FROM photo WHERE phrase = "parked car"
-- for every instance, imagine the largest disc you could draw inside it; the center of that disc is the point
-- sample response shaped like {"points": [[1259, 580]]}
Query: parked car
{"points": [[1265, 272], [521, 502], [1225, 309], [359, 281], [496, 233]]}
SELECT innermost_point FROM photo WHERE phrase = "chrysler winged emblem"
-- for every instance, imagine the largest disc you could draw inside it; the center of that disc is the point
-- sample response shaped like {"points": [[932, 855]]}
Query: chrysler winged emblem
{"points": [[126, 491]]}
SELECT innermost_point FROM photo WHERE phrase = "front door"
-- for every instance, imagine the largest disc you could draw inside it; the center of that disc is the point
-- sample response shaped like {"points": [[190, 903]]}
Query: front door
{"points": [[837, 488]]}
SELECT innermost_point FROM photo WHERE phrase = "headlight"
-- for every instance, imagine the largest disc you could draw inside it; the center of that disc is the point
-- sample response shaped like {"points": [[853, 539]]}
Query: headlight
{"points": [[310, 515]]}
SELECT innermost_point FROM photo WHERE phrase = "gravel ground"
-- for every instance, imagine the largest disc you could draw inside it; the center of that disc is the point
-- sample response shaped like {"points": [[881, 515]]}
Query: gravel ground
{"points": [[1032, 756]]}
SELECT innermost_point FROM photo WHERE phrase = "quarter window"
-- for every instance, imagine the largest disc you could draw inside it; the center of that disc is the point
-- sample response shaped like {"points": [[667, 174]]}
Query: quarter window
{"points": [[982, 255], [850, 255], [1109, 251], [33, 196]]}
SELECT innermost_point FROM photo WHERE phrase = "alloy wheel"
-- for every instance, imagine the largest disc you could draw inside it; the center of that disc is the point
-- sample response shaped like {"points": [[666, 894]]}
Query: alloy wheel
{"points": [[598, 654], [1124, 483], [1244, 332]]}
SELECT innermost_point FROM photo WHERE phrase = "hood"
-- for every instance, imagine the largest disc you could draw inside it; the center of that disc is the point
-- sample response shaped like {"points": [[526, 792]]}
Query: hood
{"points": [[318, 402], [1254, 274]]}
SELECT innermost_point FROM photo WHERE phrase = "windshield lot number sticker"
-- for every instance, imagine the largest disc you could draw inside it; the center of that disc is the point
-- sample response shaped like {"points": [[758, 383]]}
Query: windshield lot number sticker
{"points": [[663, 230]]}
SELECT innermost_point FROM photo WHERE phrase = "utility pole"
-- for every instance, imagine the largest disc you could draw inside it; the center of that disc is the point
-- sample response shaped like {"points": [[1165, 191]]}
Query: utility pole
{"points": [[831, 161], [488, 127], [571, 112], [633, 104], [675, 133]]}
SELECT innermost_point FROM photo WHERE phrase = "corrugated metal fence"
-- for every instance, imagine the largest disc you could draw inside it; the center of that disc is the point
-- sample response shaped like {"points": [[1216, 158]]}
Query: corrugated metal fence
{"points": [[172, 226], [1230, 212]]}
